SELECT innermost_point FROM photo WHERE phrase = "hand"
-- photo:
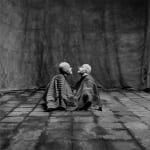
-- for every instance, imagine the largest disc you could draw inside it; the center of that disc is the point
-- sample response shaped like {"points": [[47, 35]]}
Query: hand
{"points": [[74, 92]]}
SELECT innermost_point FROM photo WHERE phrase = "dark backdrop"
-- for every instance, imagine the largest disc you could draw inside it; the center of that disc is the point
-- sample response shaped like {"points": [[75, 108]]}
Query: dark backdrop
{"points": [[36, 35]]}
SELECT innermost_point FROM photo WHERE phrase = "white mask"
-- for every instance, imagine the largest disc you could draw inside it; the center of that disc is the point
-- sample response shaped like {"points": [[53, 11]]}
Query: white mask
{"points": [[84, 69]]}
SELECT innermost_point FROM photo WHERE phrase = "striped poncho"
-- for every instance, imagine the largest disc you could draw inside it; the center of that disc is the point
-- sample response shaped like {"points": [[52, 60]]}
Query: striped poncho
{"points": [[58, 92]]}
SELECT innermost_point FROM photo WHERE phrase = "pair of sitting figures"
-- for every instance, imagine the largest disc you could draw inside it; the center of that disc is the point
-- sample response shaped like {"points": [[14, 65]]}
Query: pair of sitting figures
{"points": [[85, 96]]}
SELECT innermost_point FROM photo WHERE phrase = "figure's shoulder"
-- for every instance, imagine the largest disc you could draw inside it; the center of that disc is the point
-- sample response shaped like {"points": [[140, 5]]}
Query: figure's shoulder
{"points": [[89, 77], [59, 77]]}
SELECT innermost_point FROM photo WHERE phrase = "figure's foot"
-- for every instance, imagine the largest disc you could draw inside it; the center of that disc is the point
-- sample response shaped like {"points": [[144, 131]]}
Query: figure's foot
{"points": [[83, 108], [75, 109]]}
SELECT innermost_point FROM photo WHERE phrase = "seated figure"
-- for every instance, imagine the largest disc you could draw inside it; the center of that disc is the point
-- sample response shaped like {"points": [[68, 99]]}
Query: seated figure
{"points": [[58, 91], [87, 94]]}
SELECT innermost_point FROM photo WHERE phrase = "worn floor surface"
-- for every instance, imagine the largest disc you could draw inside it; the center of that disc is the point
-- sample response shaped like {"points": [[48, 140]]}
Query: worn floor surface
{"points": [[124, 123]]}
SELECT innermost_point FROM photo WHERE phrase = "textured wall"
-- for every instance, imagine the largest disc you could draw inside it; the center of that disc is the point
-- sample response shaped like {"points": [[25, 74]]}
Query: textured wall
{"points": [[146, 57], [14, 71], [37, 34]]}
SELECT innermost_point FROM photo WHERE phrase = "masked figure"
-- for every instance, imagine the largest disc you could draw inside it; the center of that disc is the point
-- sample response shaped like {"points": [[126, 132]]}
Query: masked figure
{"points": [[58, 91], [87, 94]]}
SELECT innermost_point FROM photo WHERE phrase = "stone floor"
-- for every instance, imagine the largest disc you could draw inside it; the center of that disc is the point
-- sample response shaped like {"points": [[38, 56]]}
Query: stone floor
{"points": [[124, 123]]}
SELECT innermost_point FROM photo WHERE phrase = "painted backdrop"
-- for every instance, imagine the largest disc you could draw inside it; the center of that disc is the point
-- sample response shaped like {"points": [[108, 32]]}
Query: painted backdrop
{"points": [[36, 35]]}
